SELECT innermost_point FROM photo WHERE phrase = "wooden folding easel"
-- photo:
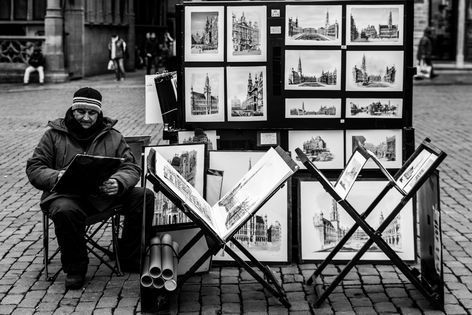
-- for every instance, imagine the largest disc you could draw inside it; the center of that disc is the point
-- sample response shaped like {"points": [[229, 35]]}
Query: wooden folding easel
{"points": [[375, 236], [214, 241]]}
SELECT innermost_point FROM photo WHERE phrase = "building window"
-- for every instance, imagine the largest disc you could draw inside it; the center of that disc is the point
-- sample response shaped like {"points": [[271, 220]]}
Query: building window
{"points": [[39, 9], [5, 9], [20, 9]]}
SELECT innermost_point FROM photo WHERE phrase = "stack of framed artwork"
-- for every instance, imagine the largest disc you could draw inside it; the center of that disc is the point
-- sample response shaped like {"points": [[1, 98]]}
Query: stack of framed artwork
{"points": [[322, 76]]}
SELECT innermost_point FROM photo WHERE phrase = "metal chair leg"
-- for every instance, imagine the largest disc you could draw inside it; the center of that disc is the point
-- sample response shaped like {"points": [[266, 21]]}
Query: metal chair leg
{"points": [[46, 244], [115, 227]]}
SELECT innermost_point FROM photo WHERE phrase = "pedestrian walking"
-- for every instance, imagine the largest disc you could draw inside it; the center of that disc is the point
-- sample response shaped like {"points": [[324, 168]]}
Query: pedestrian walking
{"points": [[117, 52], [151, 50], [35, 63], [85, 129], [424, 56]]}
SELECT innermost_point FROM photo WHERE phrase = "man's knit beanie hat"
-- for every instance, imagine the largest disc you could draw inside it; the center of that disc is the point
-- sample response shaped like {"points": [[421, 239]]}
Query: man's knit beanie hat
{"points": [[87, 98]]}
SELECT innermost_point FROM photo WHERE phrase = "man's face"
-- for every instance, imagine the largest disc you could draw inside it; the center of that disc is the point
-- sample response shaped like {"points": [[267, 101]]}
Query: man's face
{"points": [[85, 117]]}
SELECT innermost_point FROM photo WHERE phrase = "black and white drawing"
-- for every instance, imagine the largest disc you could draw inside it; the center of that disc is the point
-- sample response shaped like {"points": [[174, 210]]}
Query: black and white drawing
{"points": [[198, 136], [323, 147], [246, 33], [374, 108], [312, 108], [247, 93], [374, 25], [266, 234], [324, 222], [386, 144], [313, 25], [204, 29], [312, 69], [204, 94], [374, 71]]}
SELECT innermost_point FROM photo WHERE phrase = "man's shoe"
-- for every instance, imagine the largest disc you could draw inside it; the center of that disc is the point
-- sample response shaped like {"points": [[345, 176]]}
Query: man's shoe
{"points": [[74, 281]]}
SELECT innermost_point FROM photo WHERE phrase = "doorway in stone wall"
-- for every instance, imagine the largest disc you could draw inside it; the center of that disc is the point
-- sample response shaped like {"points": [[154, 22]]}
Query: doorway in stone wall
{"points": [[443, 18]]}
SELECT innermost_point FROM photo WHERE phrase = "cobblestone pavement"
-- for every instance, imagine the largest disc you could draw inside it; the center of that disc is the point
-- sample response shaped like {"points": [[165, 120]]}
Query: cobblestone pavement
{"points": [[441, 113]]}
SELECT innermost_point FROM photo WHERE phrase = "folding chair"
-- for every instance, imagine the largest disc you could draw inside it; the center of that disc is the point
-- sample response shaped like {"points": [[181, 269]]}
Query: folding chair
{"points": [[93, 224], [214, 241], [408, 180]]}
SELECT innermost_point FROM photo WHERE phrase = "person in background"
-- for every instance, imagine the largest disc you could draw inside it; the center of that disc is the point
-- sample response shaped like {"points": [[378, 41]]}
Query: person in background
{"points": [[35, 63], [424, 55], [151, 49], [84, 129], [117, 52]]}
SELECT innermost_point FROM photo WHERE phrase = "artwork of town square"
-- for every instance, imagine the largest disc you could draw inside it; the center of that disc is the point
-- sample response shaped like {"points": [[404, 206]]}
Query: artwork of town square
{"points": [[374, 71], [313, 25], [386, 144], [374, 25], [246, 37], [265, 235], [374, 107], [204, 30], [247, 93], [312, 108], [312, 69], [198, 136], [204, 94], [189, 161], [323, 222], [323, 147]]}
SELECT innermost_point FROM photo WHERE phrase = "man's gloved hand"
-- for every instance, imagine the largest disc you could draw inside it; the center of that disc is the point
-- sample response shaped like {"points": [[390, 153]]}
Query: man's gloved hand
{"points": [[110, 187]]}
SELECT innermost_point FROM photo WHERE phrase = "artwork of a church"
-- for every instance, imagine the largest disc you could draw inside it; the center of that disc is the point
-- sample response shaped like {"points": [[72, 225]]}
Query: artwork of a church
{"points": [[203, 103]]}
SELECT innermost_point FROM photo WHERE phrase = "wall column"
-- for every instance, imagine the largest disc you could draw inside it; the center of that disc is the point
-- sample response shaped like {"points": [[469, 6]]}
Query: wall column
{"points": [[460, 34], [53, 52], [131, 35], [74, 41]]}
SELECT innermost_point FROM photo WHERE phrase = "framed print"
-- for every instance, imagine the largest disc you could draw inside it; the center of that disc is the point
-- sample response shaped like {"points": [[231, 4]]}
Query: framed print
{"points": [[204, 33], [246, 37], [247, 93], [374, 71], [266, 235], [198, 136], [268, 138], [313, 24], [323, 147], [312, 107], [386, 144], [387, 108], [214, 185], [374, 24], [189, 161], [323, 222], [312, 69], [204, 94]]}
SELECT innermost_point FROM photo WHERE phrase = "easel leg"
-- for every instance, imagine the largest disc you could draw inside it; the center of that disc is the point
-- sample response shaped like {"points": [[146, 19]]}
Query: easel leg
{"points": [[276, 293]]}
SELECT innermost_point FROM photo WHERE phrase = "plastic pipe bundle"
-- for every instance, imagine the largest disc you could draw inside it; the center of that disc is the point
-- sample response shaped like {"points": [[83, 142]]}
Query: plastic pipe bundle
{"points": [[161, 263]]}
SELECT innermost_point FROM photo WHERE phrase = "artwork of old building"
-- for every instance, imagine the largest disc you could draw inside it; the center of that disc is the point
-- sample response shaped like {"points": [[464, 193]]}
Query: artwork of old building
{"points": [[327, 32], [362, 76], [253, 104], [383, 31], [374, 108], [297, 77], [166, 211], [385, 150], [246, 34], [316, 149], [389, 30], [208, 38], [203, 103], [324, 110]]}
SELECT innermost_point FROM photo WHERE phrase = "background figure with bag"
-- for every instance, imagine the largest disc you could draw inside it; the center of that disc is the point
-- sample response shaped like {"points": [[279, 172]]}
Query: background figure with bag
{"points": [[425, 50], [117, 53]]}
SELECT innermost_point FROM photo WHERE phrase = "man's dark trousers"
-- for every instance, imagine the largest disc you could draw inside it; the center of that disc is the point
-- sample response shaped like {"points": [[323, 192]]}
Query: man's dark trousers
{"points": [[69, 217]]}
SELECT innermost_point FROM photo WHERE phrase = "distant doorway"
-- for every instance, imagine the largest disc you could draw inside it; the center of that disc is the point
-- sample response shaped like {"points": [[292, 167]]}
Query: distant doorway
{"points": [[443, 18]]}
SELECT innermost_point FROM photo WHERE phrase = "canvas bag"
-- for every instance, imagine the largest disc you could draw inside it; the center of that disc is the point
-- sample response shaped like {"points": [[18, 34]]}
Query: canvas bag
{"points": [[424, 69], [111, 65]]}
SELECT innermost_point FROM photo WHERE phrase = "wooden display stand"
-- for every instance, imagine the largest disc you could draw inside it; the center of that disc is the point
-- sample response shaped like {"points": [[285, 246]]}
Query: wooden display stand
{"points": [[408, 180]]}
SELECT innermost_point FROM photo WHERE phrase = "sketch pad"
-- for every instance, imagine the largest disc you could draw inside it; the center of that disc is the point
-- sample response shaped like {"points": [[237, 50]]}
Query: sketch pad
{"points": [[86, 172]]}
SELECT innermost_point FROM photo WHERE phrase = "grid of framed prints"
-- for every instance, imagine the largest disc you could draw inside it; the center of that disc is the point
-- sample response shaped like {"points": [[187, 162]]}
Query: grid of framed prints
{"points": [[285, 64], [323, 222]]}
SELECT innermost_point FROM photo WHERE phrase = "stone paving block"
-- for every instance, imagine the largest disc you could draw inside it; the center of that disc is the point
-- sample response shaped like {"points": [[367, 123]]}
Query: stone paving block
{"points": [[385, 307], [12, 299], [231, 308], [123, 311], [211, 309], [252, 295], [63, 310], [254, 306], [6, 309], [103, 311], [210, 300], [23, 311], [230, 298]]}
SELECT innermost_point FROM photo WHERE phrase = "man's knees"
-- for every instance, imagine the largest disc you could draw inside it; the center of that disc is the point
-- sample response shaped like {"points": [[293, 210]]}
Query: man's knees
{"points": [[63, 208]]}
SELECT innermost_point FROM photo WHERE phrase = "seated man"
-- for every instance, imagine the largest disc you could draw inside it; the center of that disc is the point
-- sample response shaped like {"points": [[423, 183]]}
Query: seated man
{"points": [[85, 129], [35, 63]]}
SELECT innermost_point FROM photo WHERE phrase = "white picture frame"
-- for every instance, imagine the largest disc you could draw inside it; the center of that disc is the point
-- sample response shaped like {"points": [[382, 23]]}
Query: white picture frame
{"points": [[313, 25], [201, 44], [374, 25], [374, 71], [314, 200], [234, 164], [379, 108], [246, 33], [386, 144], [323, 147], [201, 84], [247, 93], [315, 108], [312, 69]]}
